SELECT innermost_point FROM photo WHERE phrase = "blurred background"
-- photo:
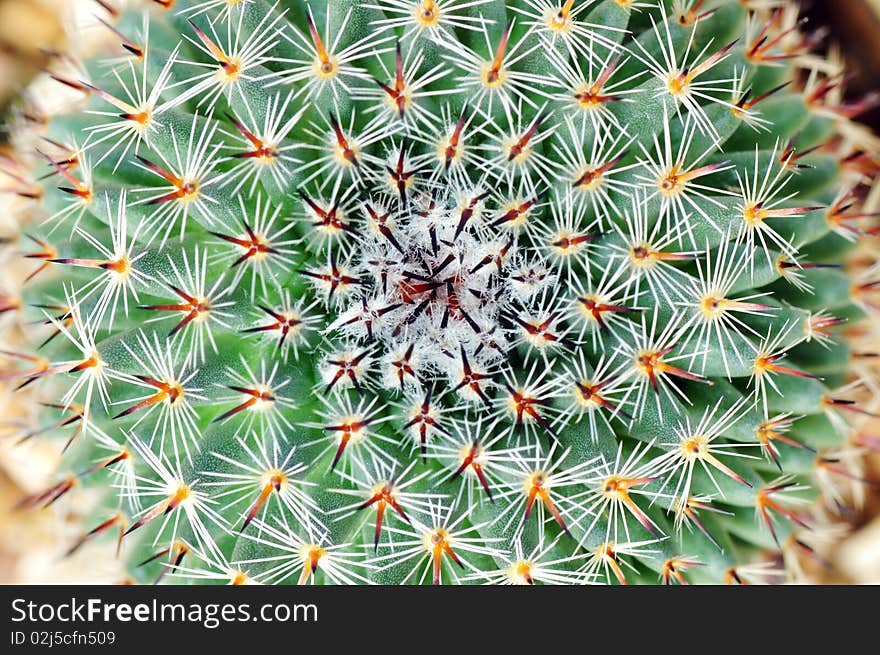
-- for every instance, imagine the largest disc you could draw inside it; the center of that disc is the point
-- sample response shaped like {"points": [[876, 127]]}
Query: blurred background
{"points": [[31, 542]]}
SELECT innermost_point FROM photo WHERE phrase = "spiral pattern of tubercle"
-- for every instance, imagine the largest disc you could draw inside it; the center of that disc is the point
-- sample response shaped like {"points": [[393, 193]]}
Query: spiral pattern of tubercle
{"points": [[402, 291]]}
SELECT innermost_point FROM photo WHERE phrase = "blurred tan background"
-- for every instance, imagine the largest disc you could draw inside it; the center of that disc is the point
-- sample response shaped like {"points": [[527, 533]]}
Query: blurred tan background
{"points": [[26, 28], [29, 541]]}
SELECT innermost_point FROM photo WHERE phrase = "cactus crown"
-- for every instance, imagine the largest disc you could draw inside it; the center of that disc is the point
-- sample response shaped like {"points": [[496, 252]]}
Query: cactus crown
{"points": [[403, 291]]}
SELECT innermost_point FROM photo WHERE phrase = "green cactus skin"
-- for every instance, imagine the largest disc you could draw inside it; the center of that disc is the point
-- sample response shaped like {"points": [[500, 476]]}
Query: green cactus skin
{"points": [[402, 292]]}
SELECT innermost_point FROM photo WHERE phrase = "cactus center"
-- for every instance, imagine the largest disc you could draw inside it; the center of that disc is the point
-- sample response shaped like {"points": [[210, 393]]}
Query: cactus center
{"points": [[520, 573], [520, 215], [494, 75], [436, 539], [588, 96], [238, 578], [399, 101], [673, 182], [694, 448], [266, 154], [311, 555], [188, 190], [448, 152], [589, 179], [201, 310], [119, 268], [763, 363], [678, 84], [274, 479], [647, 362], [568, 243], [537, 481], [325, 67], [473, 454], [263, 398], [174, 393], [753, 215], [531, 277], [591, 308], [93, 363], [179, 495], [712, 306], [333, 222], [85, 193], [585, 392], [346, 154], [519, 404], [352, 429], [517, 152], [559, 20], [427, 14], [229, 71], [385, 491], [613, 486], [642, 256], [141, 119]]}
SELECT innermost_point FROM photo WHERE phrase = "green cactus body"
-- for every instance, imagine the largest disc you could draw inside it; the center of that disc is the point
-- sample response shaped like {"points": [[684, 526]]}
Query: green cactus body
{"points": [[401, 291]]}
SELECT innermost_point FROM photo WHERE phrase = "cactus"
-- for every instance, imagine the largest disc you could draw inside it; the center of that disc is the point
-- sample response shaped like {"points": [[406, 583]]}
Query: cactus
{"points": [[413, 291]]}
